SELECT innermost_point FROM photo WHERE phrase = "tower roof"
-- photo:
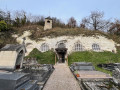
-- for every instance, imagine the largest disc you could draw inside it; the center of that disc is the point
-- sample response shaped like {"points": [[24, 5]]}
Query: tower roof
{"points": [[49, 18]]}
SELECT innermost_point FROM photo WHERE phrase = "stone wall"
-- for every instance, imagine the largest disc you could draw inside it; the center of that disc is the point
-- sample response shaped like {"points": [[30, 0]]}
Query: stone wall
{"points": [[70, 42]]}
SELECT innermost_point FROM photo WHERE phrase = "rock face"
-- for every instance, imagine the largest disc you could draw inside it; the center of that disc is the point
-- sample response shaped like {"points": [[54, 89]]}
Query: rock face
{"points": [[72, 43]]}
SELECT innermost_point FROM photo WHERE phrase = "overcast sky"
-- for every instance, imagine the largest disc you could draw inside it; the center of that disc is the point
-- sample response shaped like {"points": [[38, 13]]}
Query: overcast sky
{"points": [[64, 9]]}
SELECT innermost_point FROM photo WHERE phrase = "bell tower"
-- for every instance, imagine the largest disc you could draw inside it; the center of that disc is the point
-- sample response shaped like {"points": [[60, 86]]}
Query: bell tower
{"points": [[48, 23]]}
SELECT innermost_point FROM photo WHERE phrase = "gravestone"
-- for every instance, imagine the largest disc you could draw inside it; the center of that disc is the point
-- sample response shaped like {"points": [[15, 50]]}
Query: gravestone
{"points": [[11, 77]]}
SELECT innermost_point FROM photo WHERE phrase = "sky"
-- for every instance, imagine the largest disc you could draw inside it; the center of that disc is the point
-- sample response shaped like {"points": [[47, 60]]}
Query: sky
{"points": [[64, 9]]}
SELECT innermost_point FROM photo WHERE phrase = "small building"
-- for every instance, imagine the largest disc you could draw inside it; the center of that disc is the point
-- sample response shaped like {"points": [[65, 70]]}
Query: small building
{"points": [[11, 56], [48, 23]]}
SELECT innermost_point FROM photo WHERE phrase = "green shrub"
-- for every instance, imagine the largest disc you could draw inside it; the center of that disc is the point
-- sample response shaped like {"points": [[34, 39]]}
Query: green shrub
{"points": [[42, 58], [3, 25]]}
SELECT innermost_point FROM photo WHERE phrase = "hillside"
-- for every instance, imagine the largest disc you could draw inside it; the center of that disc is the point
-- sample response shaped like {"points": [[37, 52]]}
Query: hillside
{"points": [[86, 56], [37, 33]]}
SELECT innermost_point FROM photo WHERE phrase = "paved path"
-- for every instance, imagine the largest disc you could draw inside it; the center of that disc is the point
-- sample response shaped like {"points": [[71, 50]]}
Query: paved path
{"points": [[62, 79]]}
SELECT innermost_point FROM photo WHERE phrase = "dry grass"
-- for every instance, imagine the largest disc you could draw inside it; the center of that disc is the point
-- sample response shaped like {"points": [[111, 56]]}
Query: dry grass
{"points": [[38, 32], [20, 30], [6, 38], [115, 38], [55, 32]]}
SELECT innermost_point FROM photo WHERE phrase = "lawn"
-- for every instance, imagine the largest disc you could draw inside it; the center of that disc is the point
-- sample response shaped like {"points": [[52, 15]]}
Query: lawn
{"points": [[85, 56], [42, 58], [95, 58]]}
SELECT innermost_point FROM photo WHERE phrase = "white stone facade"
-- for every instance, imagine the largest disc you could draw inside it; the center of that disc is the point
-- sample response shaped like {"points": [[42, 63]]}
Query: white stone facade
{"points": [[86, 43]]}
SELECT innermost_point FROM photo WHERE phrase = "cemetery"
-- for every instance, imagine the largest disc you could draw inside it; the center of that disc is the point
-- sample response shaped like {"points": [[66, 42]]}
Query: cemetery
{"points": [[60, 59], [20, 74], [90, 79]]}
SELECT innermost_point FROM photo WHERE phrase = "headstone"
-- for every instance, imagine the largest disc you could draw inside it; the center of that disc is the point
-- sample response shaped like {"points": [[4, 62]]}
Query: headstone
{"points": [[16, 81]]}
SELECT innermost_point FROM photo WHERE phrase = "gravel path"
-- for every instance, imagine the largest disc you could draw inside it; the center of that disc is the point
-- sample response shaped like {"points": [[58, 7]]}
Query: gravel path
{"points": [[62, 79]]}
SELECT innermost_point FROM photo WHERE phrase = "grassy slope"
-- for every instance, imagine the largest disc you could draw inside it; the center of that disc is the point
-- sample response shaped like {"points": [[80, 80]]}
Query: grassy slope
{"points": [[86, 56], [42, 58], [95, 58], [38, 32]]}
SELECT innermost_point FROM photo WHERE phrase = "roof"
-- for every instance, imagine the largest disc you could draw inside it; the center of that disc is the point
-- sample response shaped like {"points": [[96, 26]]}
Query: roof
{"points": [[10, 56], [49, 18], [11, 47], [61, 49]]}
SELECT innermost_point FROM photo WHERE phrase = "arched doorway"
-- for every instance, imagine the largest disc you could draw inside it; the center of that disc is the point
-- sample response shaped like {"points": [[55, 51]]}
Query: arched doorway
{"points": [[61, 45], [61, 52], [19, 59]]}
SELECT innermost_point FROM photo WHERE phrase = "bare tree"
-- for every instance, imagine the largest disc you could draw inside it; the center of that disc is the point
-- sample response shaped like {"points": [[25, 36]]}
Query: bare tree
{"points": [[95, 21], [20, 18], [2, 15], [8, 17], [72, 22], [24, 19], [29, 18], [84, 23], [115, 27], [57, 22]]}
